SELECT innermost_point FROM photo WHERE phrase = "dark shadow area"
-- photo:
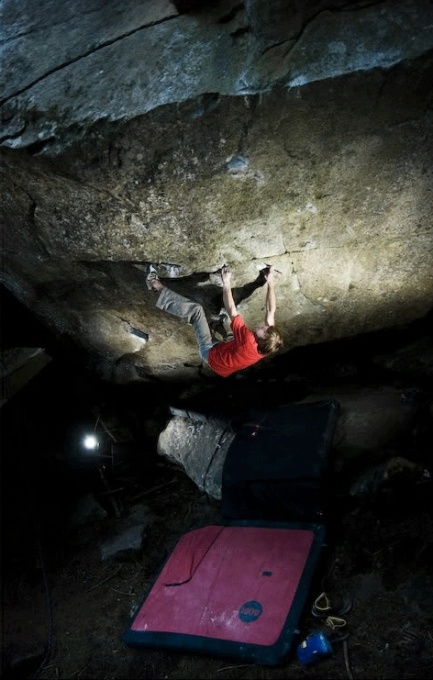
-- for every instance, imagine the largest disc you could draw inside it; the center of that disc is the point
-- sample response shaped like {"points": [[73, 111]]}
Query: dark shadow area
{"points": [[195, 6], [65, 608], [241, 293], [18, 326]]}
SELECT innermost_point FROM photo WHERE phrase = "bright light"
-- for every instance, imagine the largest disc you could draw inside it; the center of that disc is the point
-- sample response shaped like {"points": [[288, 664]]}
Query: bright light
{"points": [[90, 442]]}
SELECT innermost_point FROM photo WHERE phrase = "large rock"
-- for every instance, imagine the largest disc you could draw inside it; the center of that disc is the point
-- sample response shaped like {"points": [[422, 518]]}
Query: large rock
{"points": [[199, 444], [68, 66], [248, 137]]}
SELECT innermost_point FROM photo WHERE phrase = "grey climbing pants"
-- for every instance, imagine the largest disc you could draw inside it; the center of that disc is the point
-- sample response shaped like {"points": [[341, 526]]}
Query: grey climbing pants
{"points": [[191, 312]]}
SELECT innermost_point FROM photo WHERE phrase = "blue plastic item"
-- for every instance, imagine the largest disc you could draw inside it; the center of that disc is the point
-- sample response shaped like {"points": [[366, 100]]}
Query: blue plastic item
{"points": [[313, 648]]}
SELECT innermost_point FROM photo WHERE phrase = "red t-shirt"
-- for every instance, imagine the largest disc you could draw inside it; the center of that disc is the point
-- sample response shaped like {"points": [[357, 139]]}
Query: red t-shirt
{"points": [[226, 358]]}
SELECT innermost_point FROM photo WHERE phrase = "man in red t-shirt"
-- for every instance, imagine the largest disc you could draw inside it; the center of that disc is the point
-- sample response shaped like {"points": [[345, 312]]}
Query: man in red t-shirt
{"points": [[246, 347]]}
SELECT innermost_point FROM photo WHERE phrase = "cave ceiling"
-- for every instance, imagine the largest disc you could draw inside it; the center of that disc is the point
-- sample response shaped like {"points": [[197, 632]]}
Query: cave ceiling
{"points": [[196, 134]]}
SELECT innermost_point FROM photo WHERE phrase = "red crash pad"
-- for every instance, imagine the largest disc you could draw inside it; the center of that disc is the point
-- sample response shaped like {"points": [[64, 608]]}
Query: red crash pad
{"points": [[235, 590]]}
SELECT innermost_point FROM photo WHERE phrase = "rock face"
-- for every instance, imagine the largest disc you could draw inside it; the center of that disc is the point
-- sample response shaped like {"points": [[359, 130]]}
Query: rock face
{"points": [[199, 444], [196, 134], [71, 66]]}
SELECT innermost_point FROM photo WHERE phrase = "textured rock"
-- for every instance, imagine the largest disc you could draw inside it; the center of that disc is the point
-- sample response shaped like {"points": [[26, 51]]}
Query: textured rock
{"points": [[331, 182], [110, 61], [199, 444]]}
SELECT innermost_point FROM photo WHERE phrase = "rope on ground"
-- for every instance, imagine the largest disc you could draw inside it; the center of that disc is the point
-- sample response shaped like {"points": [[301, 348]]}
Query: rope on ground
{"points": [[346, 660]]}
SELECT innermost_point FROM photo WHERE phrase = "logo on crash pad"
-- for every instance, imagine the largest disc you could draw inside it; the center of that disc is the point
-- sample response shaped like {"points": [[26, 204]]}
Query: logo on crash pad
{"points": [[250, 611]]}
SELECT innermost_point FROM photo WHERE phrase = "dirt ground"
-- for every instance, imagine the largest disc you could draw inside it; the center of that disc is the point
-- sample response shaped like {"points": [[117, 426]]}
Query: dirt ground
{"points": [[64, 608]]}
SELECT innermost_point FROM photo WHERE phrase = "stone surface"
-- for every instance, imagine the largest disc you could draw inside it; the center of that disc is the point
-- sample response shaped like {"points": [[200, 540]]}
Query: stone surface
{"points": [[112, 61], [128, 534], [199, 445], [170, 157]]}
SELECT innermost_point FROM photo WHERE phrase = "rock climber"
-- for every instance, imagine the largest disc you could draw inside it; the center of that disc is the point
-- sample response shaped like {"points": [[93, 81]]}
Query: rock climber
{"points": [[246, 347]]}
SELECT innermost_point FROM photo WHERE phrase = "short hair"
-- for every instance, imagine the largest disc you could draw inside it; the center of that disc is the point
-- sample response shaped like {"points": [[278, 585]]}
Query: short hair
{"points": [[272, 342]]}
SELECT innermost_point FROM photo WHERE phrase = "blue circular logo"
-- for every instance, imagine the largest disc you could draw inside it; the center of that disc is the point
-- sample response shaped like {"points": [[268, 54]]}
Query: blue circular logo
{"points": [[250, 611]]}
